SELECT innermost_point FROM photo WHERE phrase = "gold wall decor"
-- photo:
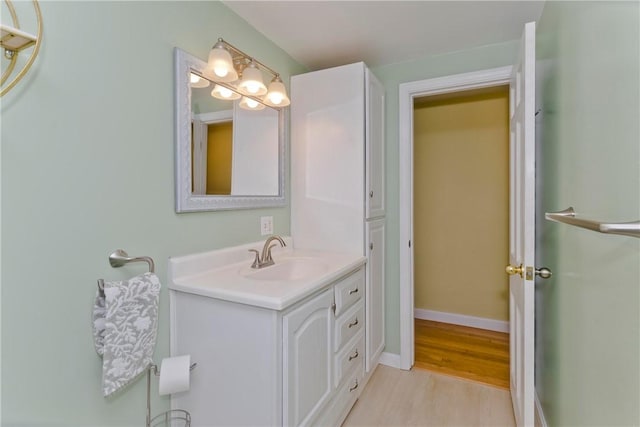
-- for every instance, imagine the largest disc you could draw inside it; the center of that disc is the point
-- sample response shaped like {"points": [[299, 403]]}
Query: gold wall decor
{"points": [[13, 41]]}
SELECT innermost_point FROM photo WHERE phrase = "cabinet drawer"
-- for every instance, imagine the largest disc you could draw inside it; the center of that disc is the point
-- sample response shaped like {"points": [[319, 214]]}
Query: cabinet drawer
{"points": [[349, 390], [349, 324], [349, 357], [349, 290]]}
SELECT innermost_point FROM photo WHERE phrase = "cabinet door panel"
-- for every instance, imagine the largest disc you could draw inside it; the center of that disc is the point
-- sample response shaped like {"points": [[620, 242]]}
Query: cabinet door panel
{"points": [[374, 326], [307, 359], [375, 191], [327, 159]]}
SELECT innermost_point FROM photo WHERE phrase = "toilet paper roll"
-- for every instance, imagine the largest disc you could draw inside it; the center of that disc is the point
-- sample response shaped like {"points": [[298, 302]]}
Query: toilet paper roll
{"points": [[174, 374]]}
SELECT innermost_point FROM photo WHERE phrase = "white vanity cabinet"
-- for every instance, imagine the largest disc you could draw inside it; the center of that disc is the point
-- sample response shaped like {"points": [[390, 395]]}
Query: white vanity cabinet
{"points": [[337, 177], [300, 365], [307, 359]]}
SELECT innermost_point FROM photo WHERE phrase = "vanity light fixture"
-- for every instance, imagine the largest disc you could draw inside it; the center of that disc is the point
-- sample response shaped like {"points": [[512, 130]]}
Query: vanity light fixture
{"points": [[198, 82], [251, 83], [251, 104], [223, 93], [220, 64], [233, 70], [277, 94]]}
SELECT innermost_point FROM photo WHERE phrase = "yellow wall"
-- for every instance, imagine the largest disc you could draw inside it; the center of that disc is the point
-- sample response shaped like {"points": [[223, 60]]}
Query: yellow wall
{"points": [[461, 211], [219, 143]]}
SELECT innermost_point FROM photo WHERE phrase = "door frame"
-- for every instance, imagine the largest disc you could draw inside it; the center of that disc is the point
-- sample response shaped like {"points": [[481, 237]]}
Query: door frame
{"points": [[407, 92]]}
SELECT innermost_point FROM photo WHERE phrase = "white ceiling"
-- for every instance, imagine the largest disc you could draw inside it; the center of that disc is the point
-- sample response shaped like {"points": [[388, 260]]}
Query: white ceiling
{"points": [[322, 34]]}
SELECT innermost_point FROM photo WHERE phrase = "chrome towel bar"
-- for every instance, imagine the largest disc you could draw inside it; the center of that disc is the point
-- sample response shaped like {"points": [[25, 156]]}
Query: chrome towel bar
{"points": [[118, 258], [568, 216]]}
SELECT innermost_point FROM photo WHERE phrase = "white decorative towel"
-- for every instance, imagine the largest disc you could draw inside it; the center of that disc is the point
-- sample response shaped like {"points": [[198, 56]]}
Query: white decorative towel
{"points": [[125, 323]]}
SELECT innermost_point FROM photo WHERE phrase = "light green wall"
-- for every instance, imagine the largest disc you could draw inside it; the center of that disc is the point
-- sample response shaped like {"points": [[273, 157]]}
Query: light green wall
{"points": [[485, 57], [87, 167], [587, 316]]}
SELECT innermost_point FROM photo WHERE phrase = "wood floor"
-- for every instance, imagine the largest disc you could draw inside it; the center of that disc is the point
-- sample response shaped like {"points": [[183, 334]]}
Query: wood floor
{"points": [[470, 353]]}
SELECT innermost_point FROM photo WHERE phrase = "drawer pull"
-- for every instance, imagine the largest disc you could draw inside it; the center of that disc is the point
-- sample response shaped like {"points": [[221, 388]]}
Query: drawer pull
{"points": [[353, 291], [354, 323], [354, 387], [356, 354]]}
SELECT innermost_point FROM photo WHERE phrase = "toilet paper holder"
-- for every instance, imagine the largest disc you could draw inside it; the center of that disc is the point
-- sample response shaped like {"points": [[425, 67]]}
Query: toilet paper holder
{"points": [[167, 418]]}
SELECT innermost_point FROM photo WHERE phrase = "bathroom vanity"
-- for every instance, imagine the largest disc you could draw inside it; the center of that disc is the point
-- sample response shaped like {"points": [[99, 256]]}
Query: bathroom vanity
{"points": [[281, 345]]}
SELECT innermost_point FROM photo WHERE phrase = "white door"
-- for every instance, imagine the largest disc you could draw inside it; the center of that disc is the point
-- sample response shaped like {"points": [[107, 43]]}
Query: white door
{"points": [[522, 229]]}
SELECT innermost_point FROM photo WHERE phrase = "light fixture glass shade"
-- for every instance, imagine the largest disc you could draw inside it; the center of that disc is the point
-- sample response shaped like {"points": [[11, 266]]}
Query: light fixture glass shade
{"points": [[277, 94], [250, 104], [222, 92], [251, 83], [198, 82], [221, 64]]}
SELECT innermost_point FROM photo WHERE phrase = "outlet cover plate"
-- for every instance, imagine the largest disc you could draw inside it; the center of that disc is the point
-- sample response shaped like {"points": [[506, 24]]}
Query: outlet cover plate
{"points": [[266, 225]]}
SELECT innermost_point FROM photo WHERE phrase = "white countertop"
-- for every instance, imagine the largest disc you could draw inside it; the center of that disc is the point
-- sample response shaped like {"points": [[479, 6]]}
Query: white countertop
{"points": [[226, 274]]}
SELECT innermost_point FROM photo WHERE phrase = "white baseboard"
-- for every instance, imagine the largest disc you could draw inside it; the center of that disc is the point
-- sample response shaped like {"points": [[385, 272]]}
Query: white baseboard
{"points": [[540, 420], [390, 359], [461, 319]]}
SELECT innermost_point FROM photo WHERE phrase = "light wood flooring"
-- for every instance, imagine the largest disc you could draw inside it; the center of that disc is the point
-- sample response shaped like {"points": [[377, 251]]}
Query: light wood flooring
{"points": [[474, 354], [394, 398]]}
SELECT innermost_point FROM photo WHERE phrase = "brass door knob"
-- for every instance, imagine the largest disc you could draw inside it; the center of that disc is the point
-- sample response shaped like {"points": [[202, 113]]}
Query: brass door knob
{"points": [[511, 270]]}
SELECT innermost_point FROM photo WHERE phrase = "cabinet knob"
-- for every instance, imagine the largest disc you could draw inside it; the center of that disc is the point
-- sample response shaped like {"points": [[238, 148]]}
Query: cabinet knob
{"points": [[371, 194], [353, 291], [356, 354], [371, 245], [354, 323], [354, 387]]}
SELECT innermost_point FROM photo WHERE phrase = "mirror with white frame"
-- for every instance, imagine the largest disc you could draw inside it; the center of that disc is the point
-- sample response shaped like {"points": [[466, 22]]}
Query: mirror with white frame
{"points": [[227, 157]]}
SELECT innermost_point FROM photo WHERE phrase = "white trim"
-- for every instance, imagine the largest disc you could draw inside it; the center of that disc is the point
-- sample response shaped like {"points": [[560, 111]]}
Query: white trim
{"points": [[390, 359], [407, 92], [215, 117], [462, 319], [540, 420]]}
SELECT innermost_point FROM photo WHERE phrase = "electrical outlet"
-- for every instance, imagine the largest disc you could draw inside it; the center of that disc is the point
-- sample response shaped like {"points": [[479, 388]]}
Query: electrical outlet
{"points": [[266, 225]]}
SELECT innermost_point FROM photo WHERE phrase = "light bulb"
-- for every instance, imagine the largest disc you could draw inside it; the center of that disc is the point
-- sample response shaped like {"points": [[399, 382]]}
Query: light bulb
{"points": [[251, 104], [220, 70], [276, 98], [277, 95], [253, 87], [251, 82], [198, 82], [221, 63], [224, 93]]}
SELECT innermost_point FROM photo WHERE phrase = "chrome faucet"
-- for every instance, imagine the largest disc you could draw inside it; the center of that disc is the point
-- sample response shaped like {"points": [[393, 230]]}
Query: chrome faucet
{"points": [[265, 259]]}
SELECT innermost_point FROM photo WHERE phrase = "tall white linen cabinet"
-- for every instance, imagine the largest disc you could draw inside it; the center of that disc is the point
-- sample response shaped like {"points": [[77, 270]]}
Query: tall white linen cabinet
{"points": [[337, 177]]}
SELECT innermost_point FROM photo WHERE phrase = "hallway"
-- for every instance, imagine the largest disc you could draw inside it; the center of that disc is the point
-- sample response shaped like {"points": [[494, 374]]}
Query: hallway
{"points": [[464, 352]]}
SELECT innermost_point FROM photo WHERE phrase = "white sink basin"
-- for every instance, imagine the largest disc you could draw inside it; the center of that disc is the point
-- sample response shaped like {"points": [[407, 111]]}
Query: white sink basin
{"points": [[288, 269], [226, 274]]}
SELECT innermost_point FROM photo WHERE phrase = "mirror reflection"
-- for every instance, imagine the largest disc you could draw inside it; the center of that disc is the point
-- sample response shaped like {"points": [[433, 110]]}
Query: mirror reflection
{"points": [[234, 150], [230, 152]]}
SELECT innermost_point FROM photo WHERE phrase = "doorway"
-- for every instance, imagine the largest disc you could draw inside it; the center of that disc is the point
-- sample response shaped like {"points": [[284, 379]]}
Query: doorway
{"points": [[461, 233], [408, 93]]}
